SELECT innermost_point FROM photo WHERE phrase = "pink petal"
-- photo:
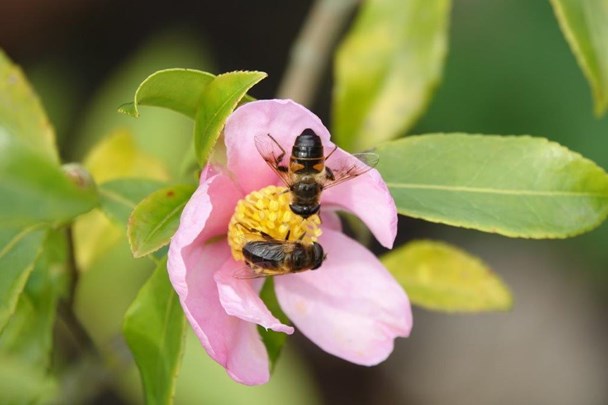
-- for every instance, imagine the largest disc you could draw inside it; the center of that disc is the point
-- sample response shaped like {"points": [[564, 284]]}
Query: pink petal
{"points": [[240, 298], [233, 343], [367, 197], [283, 119], [351, 306], [330, 219], [206, 215]]}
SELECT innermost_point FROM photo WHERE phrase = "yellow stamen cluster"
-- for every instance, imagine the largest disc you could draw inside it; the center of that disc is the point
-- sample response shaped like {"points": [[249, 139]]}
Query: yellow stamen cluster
{"points": [[267, 210]]}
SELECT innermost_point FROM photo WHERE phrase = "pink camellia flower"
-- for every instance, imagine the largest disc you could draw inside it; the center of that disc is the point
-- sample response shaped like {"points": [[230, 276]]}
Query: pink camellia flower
{"points": [[351, 306]]}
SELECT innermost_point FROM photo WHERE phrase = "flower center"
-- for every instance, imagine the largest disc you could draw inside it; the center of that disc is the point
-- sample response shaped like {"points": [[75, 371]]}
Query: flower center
{"points": [[264, 214]]}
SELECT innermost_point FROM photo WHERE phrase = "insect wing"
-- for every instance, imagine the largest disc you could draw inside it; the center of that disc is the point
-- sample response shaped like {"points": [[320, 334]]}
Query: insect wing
{"points": [[274, 155], [350, 167], [247, 273]]}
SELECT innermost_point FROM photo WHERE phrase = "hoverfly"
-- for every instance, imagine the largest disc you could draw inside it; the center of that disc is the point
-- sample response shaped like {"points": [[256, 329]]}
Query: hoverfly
{"points": [[306, 174], [274, 257]]}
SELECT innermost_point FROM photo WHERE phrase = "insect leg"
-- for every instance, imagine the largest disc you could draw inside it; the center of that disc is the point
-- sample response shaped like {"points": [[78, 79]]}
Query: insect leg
{"points": [[332, 152], [278, 159], [244, 227], [263, 234]]}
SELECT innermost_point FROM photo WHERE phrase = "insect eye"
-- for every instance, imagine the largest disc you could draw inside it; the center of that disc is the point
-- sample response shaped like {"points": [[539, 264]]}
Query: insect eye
{"points": [[319, 256]]}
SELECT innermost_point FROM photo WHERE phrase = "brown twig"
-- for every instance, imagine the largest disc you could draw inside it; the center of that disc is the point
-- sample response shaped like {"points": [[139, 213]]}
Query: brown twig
{"points": [[312, 49], [66, 307]]}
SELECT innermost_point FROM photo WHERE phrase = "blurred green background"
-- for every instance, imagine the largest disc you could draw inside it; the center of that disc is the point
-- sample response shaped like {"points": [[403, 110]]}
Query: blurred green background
{"points": [[508, 71]]}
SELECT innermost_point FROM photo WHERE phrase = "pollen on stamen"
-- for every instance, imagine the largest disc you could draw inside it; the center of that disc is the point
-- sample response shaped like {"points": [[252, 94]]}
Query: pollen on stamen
{"points": [[267, 211]]}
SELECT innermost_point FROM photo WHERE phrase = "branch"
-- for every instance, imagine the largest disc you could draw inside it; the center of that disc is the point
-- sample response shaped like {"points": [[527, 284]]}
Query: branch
{"points": [[312, 49]]}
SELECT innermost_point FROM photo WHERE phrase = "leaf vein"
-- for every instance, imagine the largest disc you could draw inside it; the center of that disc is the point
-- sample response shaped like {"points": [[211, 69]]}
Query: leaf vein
{"points": [[485, 190], [162, 222], [118, 198]]}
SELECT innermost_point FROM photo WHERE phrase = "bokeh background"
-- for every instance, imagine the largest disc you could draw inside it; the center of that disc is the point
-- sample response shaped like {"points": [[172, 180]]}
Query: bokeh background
{"points": [[508, 71]]}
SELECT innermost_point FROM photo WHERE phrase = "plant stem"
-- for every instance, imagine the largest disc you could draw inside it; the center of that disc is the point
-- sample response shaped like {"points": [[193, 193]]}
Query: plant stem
{"points": [[72, 267], [66, 307], [312, 49], [87, 374]]}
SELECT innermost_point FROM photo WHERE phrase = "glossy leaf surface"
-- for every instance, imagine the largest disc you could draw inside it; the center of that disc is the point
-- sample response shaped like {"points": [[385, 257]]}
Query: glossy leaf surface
{"points": [[160, 133], [516, 186], [217, 102], [156, 218], [179, 90]]}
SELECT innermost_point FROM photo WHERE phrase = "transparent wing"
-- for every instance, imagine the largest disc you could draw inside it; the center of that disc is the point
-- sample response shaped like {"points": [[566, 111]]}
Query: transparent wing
{"points": [[274, 155], [349, 167], [247, 273]]}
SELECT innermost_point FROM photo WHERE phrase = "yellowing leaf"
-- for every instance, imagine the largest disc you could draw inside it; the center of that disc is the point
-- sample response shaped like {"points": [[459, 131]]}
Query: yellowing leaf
{"points": [[95, 235], [387, 68], [438, 276], [118, 156], [21, 383]]}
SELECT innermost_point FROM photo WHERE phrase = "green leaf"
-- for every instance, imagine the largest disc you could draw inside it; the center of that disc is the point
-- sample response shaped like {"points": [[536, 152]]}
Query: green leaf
{"points": [[441, 277], [21, 113], [21, 383], [34, 189], [179, 90], [274, 341], [387, 68], [118, 155], [119, 197], [161, 133], [516, 186], [156, 218], [359, 230], [29, 332], [585, 26], [18, 252], [217, 102], [154, 328]]}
